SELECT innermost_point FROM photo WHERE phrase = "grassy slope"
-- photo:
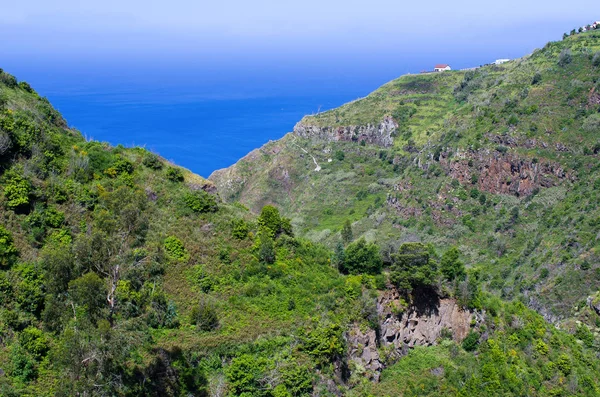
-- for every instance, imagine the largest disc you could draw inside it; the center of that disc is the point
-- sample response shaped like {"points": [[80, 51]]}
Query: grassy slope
{"points": [[547, 255]]}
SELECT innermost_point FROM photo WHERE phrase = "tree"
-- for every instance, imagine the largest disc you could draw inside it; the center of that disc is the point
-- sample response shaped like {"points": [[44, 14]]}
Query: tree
{"points": [[89, 291], [347, 232], [273, 222], [413, 267], [362, 257], [339, 256], [450, 266], [266, 250]]}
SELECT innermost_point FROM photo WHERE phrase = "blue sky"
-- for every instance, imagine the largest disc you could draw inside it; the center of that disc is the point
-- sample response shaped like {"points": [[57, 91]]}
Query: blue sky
{"points": [[284, 29]]}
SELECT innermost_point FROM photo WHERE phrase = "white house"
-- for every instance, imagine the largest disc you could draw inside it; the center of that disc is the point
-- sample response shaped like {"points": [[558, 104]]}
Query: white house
{"points": [[501, 61], [442, 67]]}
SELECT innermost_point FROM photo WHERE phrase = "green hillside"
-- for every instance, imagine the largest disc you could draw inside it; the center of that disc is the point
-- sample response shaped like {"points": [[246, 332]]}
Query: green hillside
{"points": [[501, 161], [124, 275]]}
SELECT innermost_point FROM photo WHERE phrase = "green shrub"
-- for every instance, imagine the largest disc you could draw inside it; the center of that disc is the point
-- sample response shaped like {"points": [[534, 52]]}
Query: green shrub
{"points": [[537, 78], [204, 316], [596, 59], [325, 343], [240, 229], [54, 217], [244, 375], [471, 342], [152, 161], [200, 201], [266, 249], [34, 341], [362, 257], [174, 248], [450, 265], [174, 174], [592, 124], [339, 155], [17, 189], [565, 57], [8, 252]]}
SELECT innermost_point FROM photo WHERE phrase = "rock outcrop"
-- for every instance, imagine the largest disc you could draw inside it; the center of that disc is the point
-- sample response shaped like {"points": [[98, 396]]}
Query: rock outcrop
{"points": [[362, 351], [380, 134], [423, 323], [504, 174]]}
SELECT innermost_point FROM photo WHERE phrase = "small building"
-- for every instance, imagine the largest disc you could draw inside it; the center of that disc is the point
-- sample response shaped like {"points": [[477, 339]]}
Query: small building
{"points": [[442, 67], [501, 61]]}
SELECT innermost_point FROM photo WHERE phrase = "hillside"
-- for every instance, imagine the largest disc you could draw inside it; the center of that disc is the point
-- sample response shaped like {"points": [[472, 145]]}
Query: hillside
{"points": [[501, 161], [124, 275]]}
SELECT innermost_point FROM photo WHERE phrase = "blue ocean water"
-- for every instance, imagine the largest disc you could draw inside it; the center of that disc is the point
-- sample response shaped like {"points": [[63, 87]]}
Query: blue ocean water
{"points": [[200, 134], [202, 122]]}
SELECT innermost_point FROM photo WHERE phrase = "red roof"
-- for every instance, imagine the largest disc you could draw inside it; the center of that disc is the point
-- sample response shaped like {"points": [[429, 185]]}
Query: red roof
{"points": [[441, 66]]}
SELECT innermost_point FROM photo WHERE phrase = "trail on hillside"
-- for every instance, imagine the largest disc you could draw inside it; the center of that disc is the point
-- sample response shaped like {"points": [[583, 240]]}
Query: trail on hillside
{"points": [[318, 168]]}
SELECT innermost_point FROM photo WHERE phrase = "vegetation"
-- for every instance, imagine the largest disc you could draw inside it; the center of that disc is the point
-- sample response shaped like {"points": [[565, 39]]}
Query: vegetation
{"points": [[123, 275]]}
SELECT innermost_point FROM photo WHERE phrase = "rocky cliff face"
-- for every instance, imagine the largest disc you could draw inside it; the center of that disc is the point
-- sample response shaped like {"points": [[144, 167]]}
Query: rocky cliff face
{"points": [[380, 134], [424, 323], [499, 173]]}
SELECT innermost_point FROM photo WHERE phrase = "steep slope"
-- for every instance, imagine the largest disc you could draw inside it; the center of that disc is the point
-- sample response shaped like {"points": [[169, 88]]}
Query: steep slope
{"points": [[121, 275], [501, 161]]}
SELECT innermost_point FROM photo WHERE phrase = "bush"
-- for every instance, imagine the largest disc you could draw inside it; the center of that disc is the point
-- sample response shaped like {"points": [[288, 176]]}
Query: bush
{"points": [[339, 155], [266, 250], [200, 201], [174, 248], [34, 341], [596, 59], [471, 341], [592, 124], [204, 317], [152, 161], [565, 58], [362, 257], [537, 78], [8, 252], [174, 174], [240, 229], [17, 189]]}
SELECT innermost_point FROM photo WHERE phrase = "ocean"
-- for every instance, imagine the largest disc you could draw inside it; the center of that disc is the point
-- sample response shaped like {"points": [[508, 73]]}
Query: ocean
{"points": [[201, 119]]}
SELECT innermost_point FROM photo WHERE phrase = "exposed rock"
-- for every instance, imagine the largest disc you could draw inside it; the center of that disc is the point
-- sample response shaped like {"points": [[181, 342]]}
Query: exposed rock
{"points": [[422, 324], [362, 349], [505, 173], [594, 303], [380, 134], [594, 97]]}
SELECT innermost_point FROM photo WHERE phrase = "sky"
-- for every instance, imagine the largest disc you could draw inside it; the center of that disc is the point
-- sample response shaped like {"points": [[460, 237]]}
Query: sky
{"points": [[232, 29]]}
